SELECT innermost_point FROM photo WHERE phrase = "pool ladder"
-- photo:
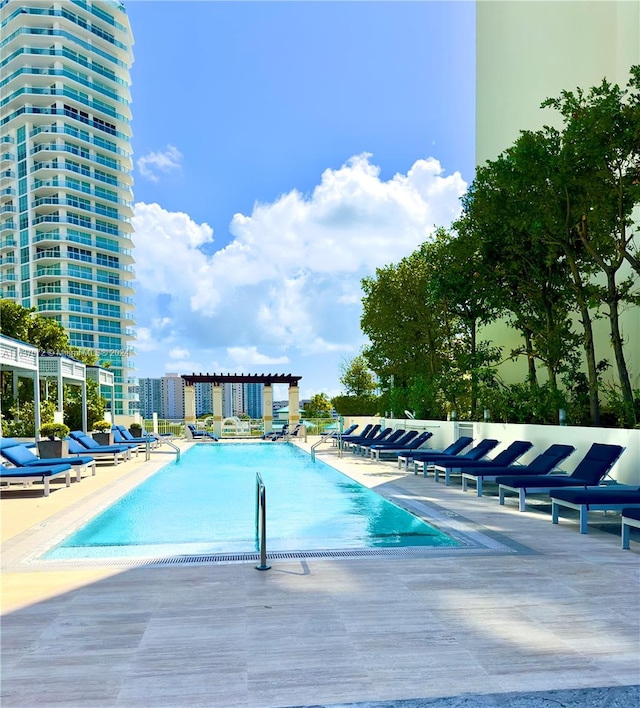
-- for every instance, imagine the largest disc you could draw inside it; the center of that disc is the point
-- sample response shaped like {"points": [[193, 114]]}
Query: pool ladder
{"points": [[166, 442], [261, 521], [324, 438]]}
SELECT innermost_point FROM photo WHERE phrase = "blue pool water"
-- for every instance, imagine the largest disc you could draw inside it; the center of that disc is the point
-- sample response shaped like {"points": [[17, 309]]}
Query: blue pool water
{"points": [[205, 503]]}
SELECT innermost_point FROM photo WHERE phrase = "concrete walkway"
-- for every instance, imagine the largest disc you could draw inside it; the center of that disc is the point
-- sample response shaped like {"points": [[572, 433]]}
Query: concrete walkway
{"points": [[555, 622]]}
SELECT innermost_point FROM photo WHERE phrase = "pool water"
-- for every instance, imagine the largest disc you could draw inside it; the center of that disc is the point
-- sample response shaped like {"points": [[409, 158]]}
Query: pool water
{"points": [[205, 503]]}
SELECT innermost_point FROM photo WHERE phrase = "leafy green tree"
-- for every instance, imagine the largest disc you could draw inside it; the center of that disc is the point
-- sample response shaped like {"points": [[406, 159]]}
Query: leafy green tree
{"points": [[357, 378], [318, 407], [526, 278], [27, 325], [601, 143], [96, 405]]}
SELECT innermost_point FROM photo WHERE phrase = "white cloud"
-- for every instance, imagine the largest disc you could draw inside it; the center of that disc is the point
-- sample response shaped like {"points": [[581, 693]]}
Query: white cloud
{"points": [[250, 356], [288, 285], [149, 165], [178, 353]]}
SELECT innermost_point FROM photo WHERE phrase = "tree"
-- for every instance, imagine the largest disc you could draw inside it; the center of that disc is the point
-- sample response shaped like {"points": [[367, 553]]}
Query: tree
{"points": [[27, 325], [357, 378], [601, 143], [526, 277], [318, 407]]}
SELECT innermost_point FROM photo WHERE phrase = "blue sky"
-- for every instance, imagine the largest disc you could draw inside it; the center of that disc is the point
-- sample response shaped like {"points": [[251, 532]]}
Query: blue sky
{"points": [[283, 151]]}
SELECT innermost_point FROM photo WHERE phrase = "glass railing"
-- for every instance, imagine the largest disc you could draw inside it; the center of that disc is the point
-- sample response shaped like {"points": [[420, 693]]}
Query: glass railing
{"points": [[109, 212], [35, 110], [85, 154], [67, 36], [66, 73], [81, 135]]}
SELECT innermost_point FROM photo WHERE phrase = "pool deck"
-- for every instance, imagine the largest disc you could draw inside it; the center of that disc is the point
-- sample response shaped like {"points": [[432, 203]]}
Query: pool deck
{"points": [[556, 624]]}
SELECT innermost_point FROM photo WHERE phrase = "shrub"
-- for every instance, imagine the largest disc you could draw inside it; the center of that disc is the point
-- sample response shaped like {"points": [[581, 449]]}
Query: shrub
{"points": [[356, 405], [54, 430], [102, 426]]}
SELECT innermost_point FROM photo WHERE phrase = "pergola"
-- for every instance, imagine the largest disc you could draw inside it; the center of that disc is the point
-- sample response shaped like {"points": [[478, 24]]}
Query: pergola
{"points": [[104, 378], [22, 360], [65, 370], [267, 397]]}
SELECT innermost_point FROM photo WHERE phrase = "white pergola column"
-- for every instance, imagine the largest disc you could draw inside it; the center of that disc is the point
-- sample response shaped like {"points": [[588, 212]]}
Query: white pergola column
{"points": [[216, 396], [267, 407], [84, 405], [294, 405], [189, 404]]}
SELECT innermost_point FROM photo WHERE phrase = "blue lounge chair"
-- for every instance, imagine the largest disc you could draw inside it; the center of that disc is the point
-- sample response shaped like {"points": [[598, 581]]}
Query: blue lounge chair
{"points": [[140, 443], [378, 437], [21, 456], [94, 448], [380, 452], [590, 471], [393, 437], [78, 450], [201, 434], [476, 453], [126, 436], [630, 518], [455, 448], [28, 475], [503, 459], [284, 434], [368, 433], [610, 498], [544, 463], [399, 442]]}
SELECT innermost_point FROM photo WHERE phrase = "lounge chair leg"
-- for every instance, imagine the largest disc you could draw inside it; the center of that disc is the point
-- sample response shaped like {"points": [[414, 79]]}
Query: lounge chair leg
{"points": [[479, 486], [555, 511], [626, 534], [46, 486], [583, 519], [521, 499], [501, 496]]}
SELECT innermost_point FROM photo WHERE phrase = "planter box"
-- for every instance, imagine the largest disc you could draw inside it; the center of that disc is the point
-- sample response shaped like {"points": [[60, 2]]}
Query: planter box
{"points": [[136, 432], [48, 449], [103, 438]]}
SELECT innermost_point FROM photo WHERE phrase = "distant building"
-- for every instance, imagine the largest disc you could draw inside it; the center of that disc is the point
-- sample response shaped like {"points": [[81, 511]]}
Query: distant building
{"points": [[204, 399], [253, 399], [150, 397], [172, 388]]}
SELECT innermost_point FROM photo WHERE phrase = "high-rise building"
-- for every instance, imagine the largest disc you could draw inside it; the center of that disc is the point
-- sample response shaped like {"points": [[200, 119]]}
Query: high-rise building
{"points": [[204, 398], [65, 173], [150, 393], [172, 392], [253, 399]]}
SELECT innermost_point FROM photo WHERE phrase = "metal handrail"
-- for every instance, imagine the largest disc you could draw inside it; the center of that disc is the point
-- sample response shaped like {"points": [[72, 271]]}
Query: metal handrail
{"points": [[261, 521], [163, 440], [324, 438]]}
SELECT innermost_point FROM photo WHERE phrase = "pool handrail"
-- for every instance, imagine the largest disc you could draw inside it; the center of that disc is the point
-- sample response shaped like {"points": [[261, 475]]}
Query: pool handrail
{"points": [[261, 521]]}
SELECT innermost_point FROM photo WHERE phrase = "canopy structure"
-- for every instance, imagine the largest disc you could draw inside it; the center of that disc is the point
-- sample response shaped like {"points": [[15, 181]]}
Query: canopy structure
{"points": [[22, 360], [65, 370], [266, 379], [267, 397], [105, 379]]}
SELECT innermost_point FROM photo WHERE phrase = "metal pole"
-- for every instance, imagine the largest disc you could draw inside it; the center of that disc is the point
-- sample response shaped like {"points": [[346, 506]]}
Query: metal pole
{"points": [[147, 451], [263, 530]]}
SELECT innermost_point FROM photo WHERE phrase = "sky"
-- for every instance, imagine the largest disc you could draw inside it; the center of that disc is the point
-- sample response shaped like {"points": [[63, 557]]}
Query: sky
{"points": [[282, 152]]}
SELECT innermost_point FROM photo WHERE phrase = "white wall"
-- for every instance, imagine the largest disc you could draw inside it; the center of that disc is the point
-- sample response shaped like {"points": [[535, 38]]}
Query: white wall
{"points": [[625, 471]]}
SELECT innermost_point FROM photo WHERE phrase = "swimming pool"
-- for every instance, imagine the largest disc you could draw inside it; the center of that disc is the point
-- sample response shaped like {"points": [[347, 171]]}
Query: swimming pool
{"points": [[205, 503]]}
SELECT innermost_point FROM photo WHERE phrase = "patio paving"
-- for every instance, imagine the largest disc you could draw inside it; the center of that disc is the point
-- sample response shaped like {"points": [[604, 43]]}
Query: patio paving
{"points": [[555, 622]]}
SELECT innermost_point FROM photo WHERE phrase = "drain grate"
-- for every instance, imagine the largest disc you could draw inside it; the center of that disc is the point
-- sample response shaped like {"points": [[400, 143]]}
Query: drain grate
{"points": [[222, 558]]}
